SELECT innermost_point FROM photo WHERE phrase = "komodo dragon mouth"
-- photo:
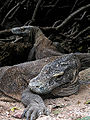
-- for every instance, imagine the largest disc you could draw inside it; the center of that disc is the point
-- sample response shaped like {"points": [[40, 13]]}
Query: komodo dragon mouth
{"points": [[61, 71]]}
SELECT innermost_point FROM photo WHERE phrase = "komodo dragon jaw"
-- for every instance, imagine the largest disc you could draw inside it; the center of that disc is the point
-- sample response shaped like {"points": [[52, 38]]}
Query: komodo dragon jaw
{"points": [[57, 73], [40, 87]]}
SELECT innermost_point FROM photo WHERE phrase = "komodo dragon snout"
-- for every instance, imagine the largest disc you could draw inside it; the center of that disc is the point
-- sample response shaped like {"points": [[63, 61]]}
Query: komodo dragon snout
{"points": [[57, 73]]}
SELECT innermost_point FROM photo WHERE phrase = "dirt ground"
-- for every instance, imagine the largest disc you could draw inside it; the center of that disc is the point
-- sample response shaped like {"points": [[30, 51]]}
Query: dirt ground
{"points": [[66, 108]]}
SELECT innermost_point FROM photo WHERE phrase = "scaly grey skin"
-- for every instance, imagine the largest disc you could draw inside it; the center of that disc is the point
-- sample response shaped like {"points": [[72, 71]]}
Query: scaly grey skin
{"points": [[59, 78]]}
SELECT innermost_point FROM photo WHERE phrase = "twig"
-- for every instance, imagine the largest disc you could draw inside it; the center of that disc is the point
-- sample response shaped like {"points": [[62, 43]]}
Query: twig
{"points": [[13, 39], [81, 2], [5, 4], [34, 13], [81, 32], [72, 34], [63, 35], [15, 7], [79, 19], [17, 39], [54, 6], [56, 22], [6, 32], [11, 2], [48, 6], [36, 9], [6, 40], [71, 16], [74, 6], [9, 13], [14, 13]]}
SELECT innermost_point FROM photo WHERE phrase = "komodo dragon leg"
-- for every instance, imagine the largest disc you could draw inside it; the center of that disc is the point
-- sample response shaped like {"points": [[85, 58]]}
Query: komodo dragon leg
{"points": [[34, 105]]}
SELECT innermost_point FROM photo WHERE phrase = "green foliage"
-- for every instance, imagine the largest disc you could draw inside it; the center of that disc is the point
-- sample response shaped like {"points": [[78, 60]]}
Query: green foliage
{"points": [[84, 118]]}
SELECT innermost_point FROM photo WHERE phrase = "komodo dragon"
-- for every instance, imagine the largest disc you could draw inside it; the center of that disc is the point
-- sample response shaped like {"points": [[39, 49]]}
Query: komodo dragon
{"points": [[43, 47], [55, 76]]}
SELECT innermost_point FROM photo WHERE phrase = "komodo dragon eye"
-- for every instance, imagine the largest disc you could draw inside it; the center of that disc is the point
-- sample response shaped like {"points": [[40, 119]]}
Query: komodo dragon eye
{"points": [[57, 75], [54, 79]]}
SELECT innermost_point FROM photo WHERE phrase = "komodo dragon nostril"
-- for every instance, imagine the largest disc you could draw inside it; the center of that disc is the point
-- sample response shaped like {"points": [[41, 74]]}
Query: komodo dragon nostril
{"points": [[41, 88]]}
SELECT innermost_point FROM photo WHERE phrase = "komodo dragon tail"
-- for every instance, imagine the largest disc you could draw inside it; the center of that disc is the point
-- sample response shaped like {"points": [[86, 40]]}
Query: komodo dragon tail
{"points": [[84, 76], [6, 95], [85, 63]]}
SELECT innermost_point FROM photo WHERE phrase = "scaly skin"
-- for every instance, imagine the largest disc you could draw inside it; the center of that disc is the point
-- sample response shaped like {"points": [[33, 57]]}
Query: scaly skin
{"points": [[43, 47]]}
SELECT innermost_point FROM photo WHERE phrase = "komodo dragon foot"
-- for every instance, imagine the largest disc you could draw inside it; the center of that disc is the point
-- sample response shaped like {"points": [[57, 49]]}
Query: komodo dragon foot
{"points": [[35, 105]]}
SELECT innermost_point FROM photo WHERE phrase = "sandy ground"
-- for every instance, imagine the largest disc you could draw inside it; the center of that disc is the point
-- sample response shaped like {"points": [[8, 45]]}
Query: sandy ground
{"points": [[66, 108]]}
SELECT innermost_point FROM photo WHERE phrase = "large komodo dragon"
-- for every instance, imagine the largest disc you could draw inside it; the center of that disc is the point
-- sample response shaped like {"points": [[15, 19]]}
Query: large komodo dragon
{"points": [[56, 76]]}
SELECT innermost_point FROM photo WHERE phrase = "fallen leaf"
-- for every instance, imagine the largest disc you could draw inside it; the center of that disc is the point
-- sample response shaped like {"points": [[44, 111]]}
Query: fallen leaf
{"points": [[88, 102], [56, 112], [14, 108]]}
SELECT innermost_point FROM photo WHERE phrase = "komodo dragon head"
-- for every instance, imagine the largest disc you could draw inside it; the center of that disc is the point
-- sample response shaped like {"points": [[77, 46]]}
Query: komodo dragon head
{"points": [[61, 71]]}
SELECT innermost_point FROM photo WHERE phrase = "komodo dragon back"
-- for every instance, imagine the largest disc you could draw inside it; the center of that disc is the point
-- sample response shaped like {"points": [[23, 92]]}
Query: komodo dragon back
{"points": [[14, 79]]}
